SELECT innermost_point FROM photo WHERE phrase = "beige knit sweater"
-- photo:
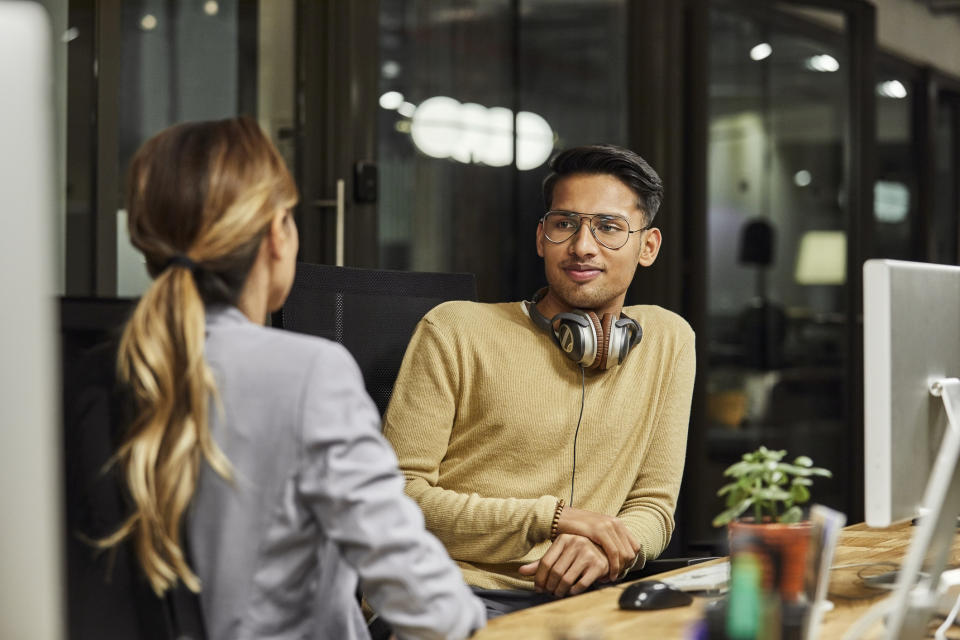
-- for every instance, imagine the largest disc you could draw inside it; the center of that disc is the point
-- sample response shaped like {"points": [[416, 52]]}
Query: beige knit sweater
{"points": [[483, 417]]}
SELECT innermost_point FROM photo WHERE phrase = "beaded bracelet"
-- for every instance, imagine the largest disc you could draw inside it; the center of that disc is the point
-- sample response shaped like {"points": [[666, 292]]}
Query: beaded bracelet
{"points": [[555, 525]]}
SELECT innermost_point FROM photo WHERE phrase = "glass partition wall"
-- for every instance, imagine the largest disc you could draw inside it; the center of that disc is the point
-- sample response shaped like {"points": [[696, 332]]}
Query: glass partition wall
{"points": [[473, 102], [777, 361]]}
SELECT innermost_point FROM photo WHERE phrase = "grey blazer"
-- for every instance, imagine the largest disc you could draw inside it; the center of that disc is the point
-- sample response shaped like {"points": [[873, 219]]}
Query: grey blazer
{"points": [[316, 504]]}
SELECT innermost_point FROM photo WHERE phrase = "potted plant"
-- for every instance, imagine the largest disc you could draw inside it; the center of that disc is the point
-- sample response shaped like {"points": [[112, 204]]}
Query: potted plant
{"points": [[763, 504]]}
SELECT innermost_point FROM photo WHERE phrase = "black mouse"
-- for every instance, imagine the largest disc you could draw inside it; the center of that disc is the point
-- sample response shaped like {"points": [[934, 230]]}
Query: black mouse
{"points": [[648, 595]]}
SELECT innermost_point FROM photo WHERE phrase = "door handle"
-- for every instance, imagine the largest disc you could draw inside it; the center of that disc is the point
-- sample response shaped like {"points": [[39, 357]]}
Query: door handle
{"points": [[339, 204]]}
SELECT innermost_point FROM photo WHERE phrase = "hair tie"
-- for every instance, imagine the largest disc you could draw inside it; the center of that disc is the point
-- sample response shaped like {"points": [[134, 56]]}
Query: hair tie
{"points": [[181, 260]]}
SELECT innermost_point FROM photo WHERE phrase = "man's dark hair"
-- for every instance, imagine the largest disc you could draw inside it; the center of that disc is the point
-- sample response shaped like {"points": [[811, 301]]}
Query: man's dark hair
{"points": [[607, 159]]}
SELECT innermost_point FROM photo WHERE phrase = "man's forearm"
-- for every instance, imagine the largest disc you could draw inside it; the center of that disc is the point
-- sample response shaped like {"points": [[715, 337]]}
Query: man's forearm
{"points": [[481, 529]]}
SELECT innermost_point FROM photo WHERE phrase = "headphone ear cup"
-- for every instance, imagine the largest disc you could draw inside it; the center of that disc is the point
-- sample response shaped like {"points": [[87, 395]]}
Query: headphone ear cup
{"points": [[577, 335], [597, 353], [607, 343], [625, 333]]}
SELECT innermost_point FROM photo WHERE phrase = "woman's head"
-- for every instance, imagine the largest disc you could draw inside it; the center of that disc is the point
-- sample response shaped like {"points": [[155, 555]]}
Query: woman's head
{"points": [[208, 205], [208, 191]]}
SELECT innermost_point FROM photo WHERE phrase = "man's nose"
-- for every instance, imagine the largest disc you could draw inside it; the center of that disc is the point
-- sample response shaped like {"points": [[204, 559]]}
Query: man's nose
{"points": [[583, 243]]}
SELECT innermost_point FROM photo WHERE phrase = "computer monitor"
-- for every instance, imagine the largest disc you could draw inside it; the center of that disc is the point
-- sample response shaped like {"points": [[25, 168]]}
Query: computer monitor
{"points": [[30, 598], [911, 329], [912, 423]]}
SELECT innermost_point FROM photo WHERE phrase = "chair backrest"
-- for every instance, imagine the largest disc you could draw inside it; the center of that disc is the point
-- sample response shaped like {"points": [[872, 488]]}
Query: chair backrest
{"points": [[371, 312], [107, 594]]}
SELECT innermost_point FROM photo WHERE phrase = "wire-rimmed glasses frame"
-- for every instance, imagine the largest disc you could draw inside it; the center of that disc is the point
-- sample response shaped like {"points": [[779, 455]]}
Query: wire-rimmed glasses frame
{"points": [[612, 238]]}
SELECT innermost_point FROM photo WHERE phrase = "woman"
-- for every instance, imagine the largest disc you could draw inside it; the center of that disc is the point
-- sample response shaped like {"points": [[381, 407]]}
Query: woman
{"points": [[265, 440]]}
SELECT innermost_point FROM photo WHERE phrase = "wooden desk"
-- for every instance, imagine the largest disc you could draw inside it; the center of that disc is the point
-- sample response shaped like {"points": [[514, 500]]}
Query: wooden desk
{"points": [[595, 615]]}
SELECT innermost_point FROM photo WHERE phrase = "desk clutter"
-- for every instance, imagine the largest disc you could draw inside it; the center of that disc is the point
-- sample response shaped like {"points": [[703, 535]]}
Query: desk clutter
{"points": [[778, 578], [851, 577]]}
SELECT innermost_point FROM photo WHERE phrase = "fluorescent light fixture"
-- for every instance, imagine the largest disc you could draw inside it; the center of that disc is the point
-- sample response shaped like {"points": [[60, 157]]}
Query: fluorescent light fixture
{"points": [[802, 178], [761, 51], [442, 127], [534, 140], [824, 63], [391, 100], [892, 89], [891, 201], [822, 258]]}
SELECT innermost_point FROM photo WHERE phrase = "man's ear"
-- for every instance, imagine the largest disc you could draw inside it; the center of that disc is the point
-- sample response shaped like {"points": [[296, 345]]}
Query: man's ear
{"points": [[649, 247], [540, 239]]}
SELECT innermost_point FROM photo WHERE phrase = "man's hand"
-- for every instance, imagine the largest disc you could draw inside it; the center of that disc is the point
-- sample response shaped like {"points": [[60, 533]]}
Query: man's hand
{"points": [[570, 566], [620, 547]]}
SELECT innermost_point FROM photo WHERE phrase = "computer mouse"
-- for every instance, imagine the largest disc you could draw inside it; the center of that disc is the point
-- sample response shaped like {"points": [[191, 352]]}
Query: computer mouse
{"points": [[649, 595]]}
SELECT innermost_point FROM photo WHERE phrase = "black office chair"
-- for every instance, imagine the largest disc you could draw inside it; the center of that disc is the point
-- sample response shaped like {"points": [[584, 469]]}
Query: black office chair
{"points": [[108, 596], [371, 312]]}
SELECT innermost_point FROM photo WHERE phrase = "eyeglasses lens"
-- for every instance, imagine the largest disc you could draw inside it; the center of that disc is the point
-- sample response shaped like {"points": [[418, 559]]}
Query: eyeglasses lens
{"points": [[610, 231]]}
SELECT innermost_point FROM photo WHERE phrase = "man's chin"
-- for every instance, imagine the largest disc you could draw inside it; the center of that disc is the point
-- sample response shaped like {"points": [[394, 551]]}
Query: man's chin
{"points": [[579, 297]]}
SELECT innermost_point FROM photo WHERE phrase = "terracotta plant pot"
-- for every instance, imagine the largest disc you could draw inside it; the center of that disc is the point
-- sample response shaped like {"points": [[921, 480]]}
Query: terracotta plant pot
{"points": [[768, 539]]}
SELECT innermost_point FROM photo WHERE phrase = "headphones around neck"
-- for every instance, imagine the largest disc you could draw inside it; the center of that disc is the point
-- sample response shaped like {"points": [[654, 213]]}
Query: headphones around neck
{"points": [[587, 339]]}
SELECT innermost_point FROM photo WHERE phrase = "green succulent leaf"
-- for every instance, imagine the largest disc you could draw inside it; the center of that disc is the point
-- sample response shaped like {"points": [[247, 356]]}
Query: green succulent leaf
{"points": [[732, 513], [772, 493], [792, 515], [799, 493]]}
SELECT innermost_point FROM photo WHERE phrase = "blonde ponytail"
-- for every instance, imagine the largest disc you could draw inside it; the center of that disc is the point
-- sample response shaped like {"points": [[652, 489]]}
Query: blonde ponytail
{"points": [[161, 362], [200, 197]]}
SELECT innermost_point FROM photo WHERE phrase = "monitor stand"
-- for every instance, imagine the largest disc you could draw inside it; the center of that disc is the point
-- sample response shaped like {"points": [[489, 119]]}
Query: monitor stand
{"points": [[914, 601]]}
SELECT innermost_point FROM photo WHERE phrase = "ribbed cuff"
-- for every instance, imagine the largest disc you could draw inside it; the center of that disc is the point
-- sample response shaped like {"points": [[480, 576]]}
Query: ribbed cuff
{"points": [[543, 518]]}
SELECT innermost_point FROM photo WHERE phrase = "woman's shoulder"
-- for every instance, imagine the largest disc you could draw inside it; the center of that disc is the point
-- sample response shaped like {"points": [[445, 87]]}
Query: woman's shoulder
{"points": [[271, 349]]}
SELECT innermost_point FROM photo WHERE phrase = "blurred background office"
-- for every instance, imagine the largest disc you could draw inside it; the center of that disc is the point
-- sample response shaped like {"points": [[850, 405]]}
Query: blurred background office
{"points": [[795, 138]]}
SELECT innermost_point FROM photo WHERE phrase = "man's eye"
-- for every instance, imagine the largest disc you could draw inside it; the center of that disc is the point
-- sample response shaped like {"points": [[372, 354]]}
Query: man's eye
{"points": [[565, 224], [610, 227]]}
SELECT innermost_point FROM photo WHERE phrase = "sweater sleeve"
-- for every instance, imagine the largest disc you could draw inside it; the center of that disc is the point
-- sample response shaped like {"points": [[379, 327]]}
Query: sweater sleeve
{"points": [[650, 504], [418, 424], [349, 480]]}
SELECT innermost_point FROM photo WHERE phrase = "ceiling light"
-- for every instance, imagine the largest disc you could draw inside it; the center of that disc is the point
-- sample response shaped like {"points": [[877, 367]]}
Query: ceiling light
{"points": [[761, 52], [802, 178], [390, 69], [824, 63], [148, 22], [391, 100], [211, 7], [892, 89], [442, 127]]}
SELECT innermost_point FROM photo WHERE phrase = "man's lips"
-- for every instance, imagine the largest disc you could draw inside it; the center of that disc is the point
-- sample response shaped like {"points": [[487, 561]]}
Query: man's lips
{"points": [[582, 273]]}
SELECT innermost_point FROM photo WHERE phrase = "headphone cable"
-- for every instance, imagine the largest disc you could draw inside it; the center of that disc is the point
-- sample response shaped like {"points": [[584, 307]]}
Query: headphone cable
{"points": [[583, 397]]}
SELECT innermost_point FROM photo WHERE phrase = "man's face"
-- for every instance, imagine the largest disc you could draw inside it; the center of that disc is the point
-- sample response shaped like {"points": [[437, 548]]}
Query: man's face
{"points": [[581, 272]]}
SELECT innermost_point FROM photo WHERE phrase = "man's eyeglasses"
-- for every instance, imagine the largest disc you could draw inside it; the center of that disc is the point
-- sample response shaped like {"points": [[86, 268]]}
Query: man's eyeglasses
{"points": [[609, 229]]}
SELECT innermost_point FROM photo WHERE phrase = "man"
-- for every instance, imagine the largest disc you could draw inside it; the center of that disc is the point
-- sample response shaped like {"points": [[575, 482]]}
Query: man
{"points": [[545, 470]]}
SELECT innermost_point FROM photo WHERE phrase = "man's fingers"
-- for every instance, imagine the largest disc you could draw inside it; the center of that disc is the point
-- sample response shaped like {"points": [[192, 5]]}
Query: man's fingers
{"points": [[572, 574], [626, 548], [589, 577], [634, 544], [529, 569], [546, 562], [613, 558], [559, 569]]}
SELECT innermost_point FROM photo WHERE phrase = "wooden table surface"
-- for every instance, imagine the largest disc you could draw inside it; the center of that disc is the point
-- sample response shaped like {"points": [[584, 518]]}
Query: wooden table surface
{"points": [[595, 615]]}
